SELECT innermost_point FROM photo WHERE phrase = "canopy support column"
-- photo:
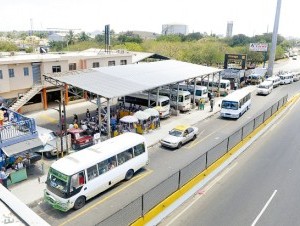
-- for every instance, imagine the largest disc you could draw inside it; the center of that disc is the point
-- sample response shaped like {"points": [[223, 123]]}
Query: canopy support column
{"points": [[108, 118]]}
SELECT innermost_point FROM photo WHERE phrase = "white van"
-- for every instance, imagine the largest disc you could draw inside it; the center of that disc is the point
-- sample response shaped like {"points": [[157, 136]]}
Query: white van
{"points": [[286, 78], [275, 80], [265, 88]]}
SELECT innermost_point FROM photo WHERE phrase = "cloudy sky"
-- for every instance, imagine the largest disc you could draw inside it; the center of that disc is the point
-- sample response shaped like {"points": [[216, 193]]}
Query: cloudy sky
{"points": [[249, 17]]}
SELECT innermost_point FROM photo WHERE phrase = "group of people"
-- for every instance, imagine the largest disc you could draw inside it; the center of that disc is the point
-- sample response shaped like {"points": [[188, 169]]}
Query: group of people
{"points": [[211, 102]]}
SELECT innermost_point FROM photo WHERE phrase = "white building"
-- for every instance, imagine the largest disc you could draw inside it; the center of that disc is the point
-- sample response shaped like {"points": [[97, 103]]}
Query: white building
{"points": [[21, 75], [172, 29]]}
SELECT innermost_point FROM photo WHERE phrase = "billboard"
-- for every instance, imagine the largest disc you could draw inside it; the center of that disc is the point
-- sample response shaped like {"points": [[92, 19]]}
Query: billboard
{"points": [[258, 47]]}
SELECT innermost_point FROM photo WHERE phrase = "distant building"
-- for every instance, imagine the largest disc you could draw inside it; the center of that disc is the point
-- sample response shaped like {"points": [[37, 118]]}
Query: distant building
{"points": [[57, 37], [174, 29], [229, 29]]}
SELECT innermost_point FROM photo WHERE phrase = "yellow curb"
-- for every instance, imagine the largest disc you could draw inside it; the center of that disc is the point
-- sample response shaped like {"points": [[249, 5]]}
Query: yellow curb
{"points": [[188, 186]]}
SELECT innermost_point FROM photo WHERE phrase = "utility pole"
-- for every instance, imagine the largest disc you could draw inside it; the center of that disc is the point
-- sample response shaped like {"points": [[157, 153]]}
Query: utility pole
{"points": [[274, 39]]}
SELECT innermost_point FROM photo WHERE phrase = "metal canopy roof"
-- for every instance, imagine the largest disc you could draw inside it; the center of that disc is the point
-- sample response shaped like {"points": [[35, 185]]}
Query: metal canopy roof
{"points": [[116, 81]]}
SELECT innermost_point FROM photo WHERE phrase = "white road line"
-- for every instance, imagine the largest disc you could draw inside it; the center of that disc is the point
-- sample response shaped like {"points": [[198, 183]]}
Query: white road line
{"points": [[263, 210], [216, 180]]}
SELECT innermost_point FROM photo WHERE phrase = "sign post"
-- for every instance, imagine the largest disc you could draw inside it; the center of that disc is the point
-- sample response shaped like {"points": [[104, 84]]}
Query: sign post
{"points": [[260, 47]]}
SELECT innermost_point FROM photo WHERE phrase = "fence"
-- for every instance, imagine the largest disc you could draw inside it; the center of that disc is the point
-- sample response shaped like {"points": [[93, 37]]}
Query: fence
{"points": [[139, 207], [16, 128]]}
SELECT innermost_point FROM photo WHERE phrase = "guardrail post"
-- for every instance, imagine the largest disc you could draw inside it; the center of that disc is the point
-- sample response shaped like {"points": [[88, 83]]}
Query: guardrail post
{"points": [[179, 176], [206, 160], [227, 144], [264, 117]]}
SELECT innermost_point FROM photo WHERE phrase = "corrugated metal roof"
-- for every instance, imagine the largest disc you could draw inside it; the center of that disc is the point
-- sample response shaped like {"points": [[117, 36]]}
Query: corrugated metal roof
{"points": [[122, 80]]}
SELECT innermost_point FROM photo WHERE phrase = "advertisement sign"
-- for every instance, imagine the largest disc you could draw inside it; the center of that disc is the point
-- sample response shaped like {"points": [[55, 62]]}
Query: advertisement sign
{"points": [[258, 47]]}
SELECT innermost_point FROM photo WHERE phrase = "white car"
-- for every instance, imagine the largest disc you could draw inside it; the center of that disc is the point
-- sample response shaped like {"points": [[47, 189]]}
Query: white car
{"points": [[180, 135]]}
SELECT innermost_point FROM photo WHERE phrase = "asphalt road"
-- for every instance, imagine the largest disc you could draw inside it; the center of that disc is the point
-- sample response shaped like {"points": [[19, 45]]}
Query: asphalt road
{"points": [[260, 188], [163, 163]]}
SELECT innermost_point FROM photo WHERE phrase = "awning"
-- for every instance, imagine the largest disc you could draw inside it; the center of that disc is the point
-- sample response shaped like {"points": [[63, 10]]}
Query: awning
{"points": [[22, 146]]}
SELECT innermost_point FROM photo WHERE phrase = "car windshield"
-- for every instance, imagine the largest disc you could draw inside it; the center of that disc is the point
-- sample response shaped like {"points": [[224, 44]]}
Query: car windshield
{"points": [[176, 133], [229, 105], [79, 135]]}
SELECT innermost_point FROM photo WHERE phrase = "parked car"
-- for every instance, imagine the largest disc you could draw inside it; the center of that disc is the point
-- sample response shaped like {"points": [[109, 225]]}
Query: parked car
{"points": [[79, 139], [180, 135]]}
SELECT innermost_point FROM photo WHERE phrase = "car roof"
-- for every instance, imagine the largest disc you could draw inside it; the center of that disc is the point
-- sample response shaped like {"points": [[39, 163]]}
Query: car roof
{"points": [[181, 127]]}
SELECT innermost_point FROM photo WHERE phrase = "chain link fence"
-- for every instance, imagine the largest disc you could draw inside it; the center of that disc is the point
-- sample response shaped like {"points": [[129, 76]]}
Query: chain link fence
{"points": [[139, 207]]}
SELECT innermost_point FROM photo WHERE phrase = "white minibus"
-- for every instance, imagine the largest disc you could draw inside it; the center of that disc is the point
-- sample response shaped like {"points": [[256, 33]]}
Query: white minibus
{"points": [[214, 86], [286, 78], [80, 176], [236, 104], [201, 92], [265, 88], [184, 98], [141, 99], [275, 80]]}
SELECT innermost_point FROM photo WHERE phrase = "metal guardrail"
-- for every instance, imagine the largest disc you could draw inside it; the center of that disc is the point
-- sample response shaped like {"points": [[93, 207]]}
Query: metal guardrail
{"points": [[143, 204], [17, 129]]}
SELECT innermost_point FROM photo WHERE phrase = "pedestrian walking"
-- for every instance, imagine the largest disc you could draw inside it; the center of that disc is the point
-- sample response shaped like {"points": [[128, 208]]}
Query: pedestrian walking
{"points": [[212, 103], [88, 114], [3, 177], [75, 119]]}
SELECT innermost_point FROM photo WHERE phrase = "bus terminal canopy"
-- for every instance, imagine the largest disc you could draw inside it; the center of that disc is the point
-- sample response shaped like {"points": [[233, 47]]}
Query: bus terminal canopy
{"points": [[117, 81]]}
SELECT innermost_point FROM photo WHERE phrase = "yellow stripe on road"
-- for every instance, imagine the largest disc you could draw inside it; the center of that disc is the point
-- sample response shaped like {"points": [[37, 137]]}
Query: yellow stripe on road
{"points": [[49, 119], [136, 179]]}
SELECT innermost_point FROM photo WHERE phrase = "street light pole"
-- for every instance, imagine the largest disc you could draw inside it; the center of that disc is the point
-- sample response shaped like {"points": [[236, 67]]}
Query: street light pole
{"points": [[60, 126], [274, 39]]}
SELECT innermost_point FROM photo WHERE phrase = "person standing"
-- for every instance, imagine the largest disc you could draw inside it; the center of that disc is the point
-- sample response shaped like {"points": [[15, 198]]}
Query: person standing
{"points": [[3, 177], [88, 114], [1, 117], [212, 103]]}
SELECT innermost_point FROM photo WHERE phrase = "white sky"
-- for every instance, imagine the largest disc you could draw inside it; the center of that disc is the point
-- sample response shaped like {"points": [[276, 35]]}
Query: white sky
{"points": [[249, 17]]}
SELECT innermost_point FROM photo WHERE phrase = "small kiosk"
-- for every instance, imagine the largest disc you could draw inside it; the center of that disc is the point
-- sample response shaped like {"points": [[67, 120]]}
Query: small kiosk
{"points": [[128, 124], [154, 118], [144, 121]]}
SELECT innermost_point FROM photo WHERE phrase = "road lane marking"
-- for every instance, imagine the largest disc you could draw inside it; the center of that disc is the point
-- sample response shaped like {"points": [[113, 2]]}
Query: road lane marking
{"points": [[49, 119], [196, 139], [263, 210], [202, 192], [137, 178], [197, 142]]}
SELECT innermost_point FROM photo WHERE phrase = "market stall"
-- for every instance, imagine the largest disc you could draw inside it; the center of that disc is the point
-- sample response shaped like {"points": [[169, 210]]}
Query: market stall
{"points": [[144, 121], [154, 117], [128, 124]]}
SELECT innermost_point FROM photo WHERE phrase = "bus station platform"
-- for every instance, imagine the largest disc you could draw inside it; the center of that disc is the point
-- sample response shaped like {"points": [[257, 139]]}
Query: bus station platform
{"points": [[31, 191]]}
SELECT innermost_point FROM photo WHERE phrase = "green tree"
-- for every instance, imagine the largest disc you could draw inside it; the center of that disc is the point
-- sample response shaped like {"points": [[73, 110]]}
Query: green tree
{"points": [[7, 46], [70, 37], [83, 37], [169, 38], [129, 37]]}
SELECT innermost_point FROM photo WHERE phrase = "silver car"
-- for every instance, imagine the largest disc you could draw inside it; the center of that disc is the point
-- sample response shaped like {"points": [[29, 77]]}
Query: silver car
{"points": [[179, 136]]}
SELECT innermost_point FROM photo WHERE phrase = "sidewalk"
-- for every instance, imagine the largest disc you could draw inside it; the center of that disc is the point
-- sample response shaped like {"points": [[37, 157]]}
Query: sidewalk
{"points": [[31, 190]]}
